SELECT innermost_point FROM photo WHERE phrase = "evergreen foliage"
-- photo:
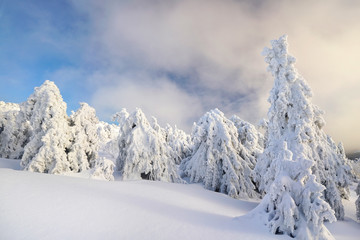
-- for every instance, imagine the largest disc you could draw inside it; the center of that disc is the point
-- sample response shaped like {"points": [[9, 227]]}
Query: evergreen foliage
{"points": [[294, 119], [144, 153], [293, 163], [85, 141], [218, 159], [14, 131], [46, 112]]}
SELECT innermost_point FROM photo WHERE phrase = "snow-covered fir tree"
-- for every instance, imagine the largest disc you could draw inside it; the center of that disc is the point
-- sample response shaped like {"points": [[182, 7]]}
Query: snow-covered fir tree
{"points": [[357, 202], [8, 112], [103, 169], [108, 138], [143, 152], [250, 138], [14, 131], [294, 119], [179, 141], [85, 141], [45, 111], [218, 159], [158, 129], [109, 135], [294, 204], [120, 117]]}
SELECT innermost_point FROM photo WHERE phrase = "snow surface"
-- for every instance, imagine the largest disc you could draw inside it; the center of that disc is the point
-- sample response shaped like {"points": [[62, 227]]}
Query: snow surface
{"points": [[46, 206]]}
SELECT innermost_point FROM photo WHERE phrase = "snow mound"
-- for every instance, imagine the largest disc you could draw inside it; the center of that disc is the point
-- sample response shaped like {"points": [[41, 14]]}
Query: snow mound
{"points": [[44, 206]]}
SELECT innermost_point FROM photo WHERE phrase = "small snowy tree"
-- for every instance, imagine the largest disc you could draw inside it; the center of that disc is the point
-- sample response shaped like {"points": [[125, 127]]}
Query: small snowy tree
{"points": [[8, 112], [218, 159], [103, 169], [46, 112], [120, 117], [108, 140], [85, 140], [143, 152], [179, 141], [14, 131], [294, 119], [357, 202], [250, 138]]}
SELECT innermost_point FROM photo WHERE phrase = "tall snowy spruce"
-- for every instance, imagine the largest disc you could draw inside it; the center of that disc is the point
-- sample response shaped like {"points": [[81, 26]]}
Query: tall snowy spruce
{"points": [[294, 119], [45, 111], [85, 141], [144, 153], [289, 169], [218, 159]]}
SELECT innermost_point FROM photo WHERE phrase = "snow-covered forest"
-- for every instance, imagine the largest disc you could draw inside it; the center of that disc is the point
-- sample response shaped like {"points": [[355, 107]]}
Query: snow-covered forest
{"points": [[288, 180]]}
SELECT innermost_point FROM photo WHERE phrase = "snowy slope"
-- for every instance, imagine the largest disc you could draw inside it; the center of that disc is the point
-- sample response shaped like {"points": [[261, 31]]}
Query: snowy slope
{"points": [[44, 206]]}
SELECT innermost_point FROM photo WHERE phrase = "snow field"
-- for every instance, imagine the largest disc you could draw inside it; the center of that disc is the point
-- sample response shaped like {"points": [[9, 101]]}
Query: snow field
{"points": [[46, 206]]}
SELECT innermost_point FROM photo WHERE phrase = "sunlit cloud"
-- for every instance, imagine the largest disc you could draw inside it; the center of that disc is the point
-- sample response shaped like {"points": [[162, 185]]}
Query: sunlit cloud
{"points": [[178, 59], [160, 98], [215, 46]]}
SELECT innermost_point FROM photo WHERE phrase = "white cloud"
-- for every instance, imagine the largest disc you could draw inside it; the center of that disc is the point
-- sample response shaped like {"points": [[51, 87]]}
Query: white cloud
{"points": [[214, 46], [160, 98]]}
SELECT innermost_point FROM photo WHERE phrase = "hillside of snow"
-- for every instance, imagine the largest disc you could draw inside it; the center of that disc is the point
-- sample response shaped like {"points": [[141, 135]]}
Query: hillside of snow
{"points": [[44, 206]]}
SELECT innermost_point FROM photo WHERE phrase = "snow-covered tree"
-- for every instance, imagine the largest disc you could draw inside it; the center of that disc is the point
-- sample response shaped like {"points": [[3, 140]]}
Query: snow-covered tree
{"points": [[109, 135], [179, 141], [14, 131], [294, 119], [294, 204], [108, 139], [120, 117], [249, 137], [357, 202], [158, 129], [85, 141], [8, 112], [103, 169], [45, 111], [143, 153], [218, 158]]}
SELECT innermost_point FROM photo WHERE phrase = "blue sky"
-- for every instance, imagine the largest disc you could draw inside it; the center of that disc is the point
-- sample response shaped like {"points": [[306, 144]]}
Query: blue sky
{"points": [[38, 38], [178, 59]]}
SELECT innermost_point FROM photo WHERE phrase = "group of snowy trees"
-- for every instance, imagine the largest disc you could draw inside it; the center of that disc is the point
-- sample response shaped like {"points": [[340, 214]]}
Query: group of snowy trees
{"points": [[45, 138], [296, 168]]}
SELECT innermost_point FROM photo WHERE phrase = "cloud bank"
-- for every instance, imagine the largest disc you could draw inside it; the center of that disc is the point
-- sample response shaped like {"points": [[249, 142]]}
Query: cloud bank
{"points": [[178, 59]]}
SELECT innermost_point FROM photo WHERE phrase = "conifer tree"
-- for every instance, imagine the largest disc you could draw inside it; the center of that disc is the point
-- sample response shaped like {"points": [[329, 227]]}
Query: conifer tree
{"points": [[294, 205], [103, 169], [108, 135], [294, 119], [289, 170], [14, 131], [45, 111], [85, 141], [179, 141], [250, 138], [357, 202], [143, 152], [218, 159]]}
